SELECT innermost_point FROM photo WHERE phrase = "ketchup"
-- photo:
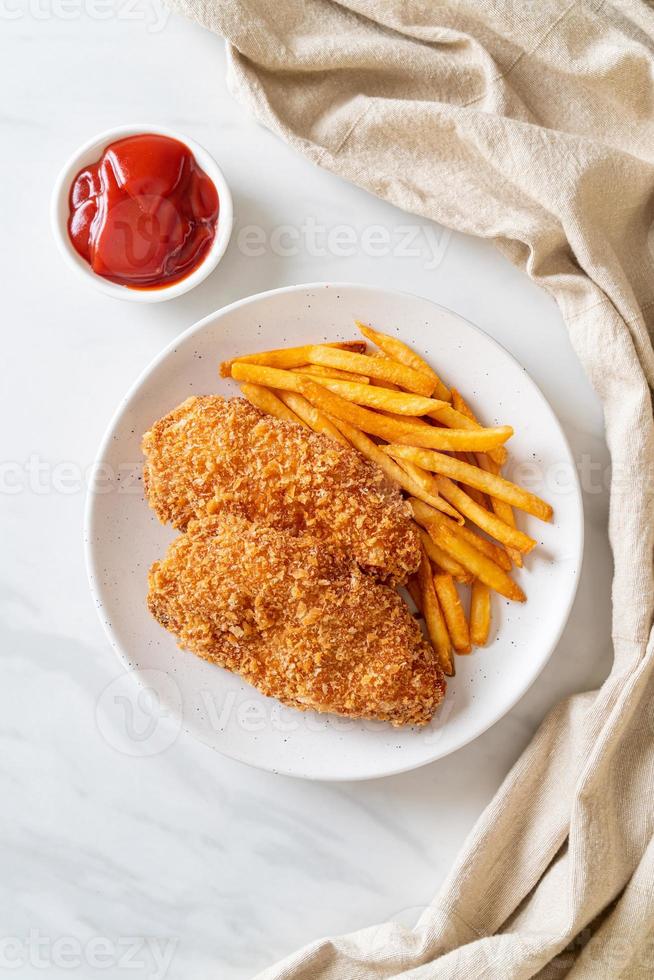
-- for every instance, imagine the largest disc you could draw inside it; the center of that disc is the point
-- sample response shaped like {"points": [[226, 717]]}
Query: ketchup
{"points": [[145, 214]]}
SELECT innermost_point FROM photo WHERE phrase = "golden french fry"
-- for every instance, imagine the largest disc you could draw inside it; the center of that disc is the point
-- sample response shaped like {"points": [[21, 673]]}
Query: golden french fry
{"points": [[489, 461], [417, 422], [493, 551], [311, 416], [399, 351], [395, 431], [503, 510], [476, 562], [287, 357], [499, 455], [477, 495], [492, 462], [373, 367], [268, 402], [453, 418], [427, 484], [451, 440], [495, 486], [460, 405], [445, 561], [374, 396], [427, 517], [514, 555], [371, 451], [325, 372], [455, 618], [425, 479], [431, 610], [378, 381], [483, 518], [422, 421], [480, 613], [394, 472], [365, 394], [269, 377]]}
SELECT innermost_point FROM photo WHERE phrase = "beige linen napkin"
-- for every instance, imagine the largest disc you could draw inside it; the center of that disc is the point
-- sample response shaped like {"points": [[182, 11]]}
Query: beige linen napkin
{"points": [[529, 123]]}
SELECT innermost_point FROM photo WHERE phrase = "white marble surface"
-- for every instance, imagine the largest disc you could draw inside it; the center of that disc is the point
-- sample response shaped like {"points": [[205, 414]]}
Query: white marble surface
{"points": [[184, 863]]}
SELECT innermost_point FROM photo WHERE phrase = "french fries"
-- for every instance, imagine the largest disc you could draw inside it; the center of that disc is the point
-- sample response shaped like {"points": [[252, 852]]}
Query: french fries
{"points": [[373, 367], [433, 616], [459, 404], [491, 462], [268, 402], [399, 351], [287, 357], [455, 618], [493, 551], [426, 516], [310, 416], [393, 430], [480, 613], [394, 472], [429, 486], [477, 562], [495, 486], [445, 561], [325, 372], [378, 381], [398, 402], [360, 394], [451, 440], [477, 495], [392, 407], [455, 419], [483, 518], [270, 377], [497, 457], [503, 510]]}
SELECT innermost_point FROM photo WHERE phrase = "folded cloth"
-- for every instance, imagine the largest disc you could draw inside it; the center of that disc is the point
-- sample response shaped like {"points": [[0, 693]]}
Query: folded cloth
{"points": [[532, 124]]}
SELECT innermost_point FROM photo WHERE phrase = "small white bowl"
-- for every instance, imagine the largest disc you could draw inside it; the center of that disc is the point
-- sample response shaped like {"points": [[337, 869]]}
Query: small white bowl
{"points": [[59, 214]]}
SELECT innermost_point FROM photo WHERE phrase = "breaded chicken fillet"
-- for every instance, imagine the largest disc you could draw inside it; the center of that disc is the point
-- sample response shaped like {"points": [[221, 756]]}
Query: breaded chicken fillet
{"points": [[212, 454], [300, 623]]}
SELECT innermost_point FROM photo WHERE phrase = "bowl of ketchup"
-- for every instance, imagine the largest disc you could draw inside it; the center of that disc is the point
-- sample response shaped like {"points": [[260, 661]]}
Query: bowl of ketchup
{"points": [[142, 212]]}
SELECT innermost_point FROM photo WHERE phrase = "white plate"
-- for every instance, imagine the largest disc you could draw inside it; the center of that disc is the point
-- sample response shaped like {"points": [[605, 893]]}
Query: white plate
{"points": [[123, 538]]}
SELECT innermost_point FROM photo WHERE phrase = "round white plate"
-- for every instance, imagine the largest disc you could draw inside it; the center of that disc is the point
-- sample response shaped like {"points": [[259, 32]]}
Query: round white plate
{"points": [[123, 537]]}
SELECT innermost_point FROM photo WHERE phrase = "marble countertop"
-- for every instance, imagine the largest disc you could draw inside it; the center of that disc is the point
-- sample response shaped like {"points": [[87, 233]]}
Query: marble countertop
{"points": [[184, 864]]}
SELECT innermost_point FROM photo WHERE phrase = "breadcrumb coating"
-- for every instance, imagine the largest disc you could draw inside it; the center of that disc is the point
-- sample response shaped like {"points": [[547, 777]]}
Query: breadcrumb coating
{"points": [[211, 454], [300, 623]]}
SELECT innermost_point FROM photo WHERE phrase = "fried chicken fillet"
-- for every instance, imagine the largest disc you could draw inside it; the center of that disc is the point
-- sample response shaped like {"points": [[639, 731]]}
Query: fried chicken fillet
{"points": [[300, 623], [212, 454]]}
